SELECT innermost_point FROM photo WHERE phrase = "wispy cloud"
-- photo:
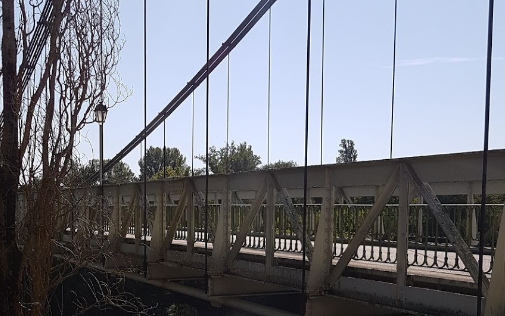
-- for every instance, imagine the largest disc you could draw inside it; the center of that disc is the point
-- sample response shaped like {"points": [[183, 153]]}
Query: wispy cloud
{"points": [[438, 60], [432, 60]]}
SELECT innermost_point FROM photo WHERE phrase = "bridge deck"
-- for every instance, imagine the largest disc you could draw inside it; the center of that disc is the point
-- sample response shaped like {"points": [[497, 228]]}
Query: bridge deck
{"points": [[431, 277]]}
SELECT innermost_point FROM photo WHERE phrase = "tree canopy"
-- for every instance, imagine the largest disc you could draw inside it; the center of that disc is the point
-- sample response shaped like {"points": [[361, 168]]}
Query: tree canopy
{"points": [[347, 152], [231, 158], [281, 164], [120, 173], [174, 161], [171, 173]]}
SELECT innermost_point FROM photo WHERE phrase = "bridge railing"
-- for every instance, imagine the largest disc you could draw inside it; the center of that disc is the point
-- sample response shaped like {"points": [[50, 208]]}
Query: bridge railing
{"points": [[428, 245], [244, 212]]}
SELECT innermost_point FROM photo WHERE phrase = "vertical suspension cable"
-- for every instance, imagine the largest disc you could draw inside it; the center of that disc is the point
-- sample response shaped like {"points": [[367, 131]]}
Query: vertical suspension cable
{"points": [[101, 125], [228, 116], [269, 83], [393, 84], [305, 169], [145, 139], [193, 134], [164, 151], [30, 92], [322, 80], [206, 228], [482, 217], [102, 84], [101, 100]]}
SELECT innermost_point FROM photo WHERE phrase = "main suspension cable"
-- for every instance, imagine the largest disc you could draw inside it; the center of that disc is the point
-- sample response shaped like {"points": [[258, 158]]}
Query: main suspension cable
{"points": [[482, 216], [305, 169], [35, 47], [393, 84], [240, 32]]}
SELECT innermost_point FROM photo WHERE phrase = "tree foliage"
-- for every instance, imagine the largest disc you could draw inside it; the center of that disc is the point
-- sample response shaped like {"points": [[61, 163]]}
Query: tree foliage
{"points": [[120, 173], [172, 173], [347, 152], [281, 164], [231, 158], [174, 161]]}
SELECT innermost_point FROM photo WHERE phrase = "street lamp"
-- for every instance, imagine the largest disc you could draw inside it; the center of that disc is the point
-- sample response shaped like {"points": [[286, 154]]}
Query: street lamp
{"points": [[100, 113], [100, 116]]}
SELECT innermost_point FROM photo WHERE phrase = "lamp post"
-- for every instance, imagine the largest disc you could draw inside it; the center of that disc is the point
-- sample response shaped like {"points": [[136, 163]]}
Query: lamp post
{"points": [[100, 116]]}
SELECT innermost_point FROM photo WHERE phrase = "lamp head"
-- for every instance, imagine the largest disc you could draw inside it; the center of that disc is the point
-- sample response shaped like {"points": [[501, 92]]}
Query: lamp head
{"points": [[100, 113]]}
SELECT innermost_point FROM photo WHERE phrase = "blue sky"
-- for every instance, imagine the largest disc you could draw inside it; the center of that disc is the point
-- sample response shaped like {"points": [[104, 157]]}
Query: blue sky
{"points": [[440, 78]]}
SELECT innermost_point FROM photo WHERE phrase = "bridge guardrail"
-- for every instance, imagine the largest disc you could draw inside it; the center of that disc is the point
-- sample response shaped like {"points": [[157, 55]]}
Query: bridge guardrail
{"points": [[428, 246]]}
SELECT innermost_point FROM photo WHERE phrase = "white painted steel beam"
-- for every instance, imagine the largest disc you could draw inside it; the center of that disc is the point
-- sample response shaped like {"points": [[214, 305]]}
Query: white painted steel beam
{"points": [[190, 220], [495, 300], [294, 218], [221, 244], [365, 227], [270, 228], [200, 203], [402, 235], [245, 228], [322, 257], [450, 230], [155, 252], [447, 174], [167, 241]]}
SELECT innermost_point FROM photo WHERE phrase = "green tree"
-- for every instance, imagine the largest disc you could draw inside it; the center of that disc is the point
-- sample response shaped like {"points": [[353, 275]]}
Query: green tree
{"points": [[172, 173], [174, 160], [281, 164], [80, 173], [347, 152], [232, 158], [120, 173]]}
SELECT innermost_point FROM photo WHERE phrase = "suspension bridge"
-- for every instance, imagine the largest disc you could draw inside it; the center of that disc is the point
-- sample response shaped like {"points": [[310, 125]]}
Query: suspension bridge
{"points": [[302, 232], [403, 253]]}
